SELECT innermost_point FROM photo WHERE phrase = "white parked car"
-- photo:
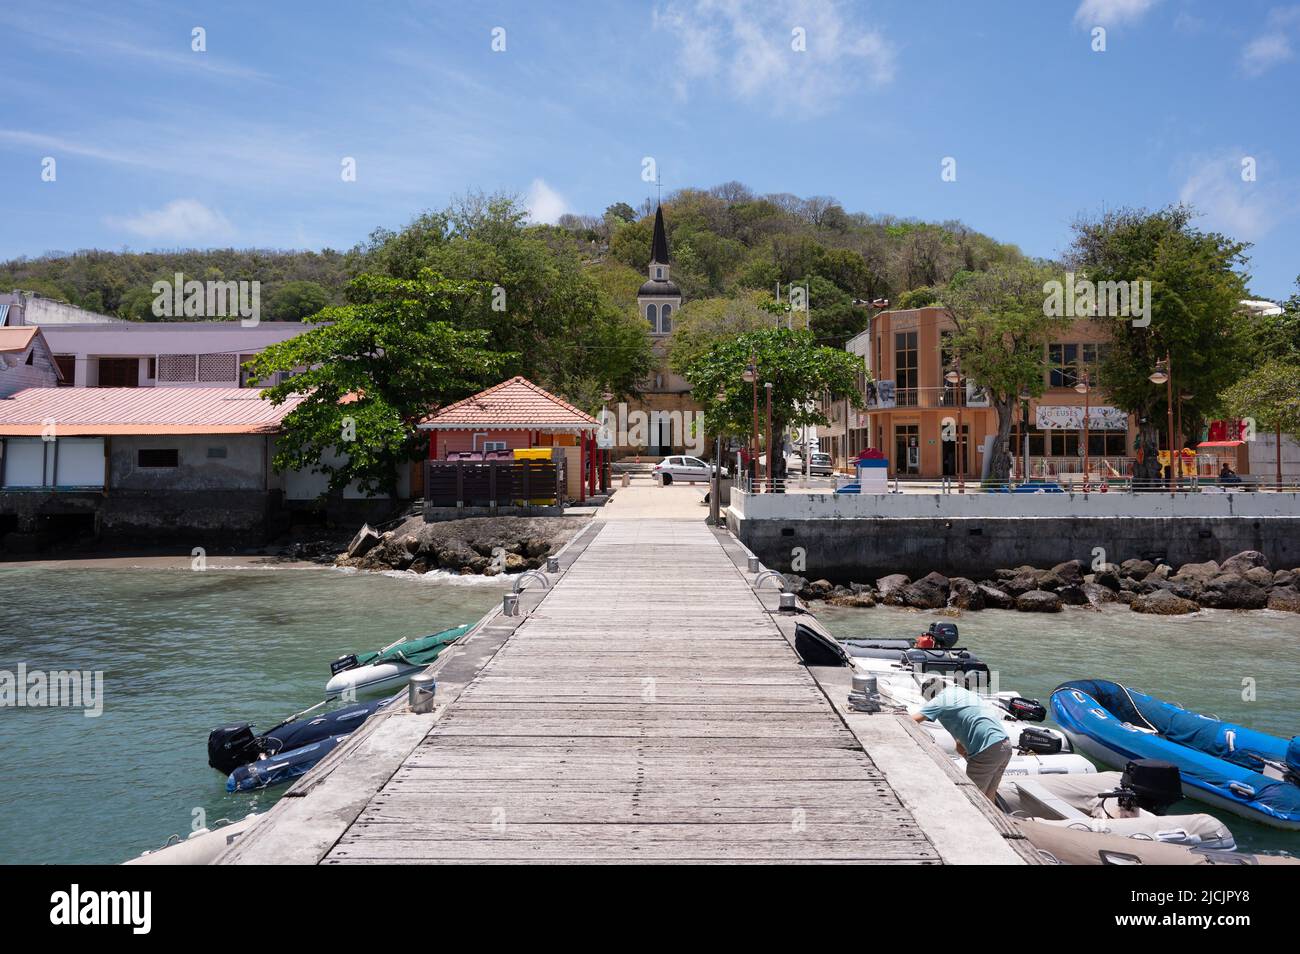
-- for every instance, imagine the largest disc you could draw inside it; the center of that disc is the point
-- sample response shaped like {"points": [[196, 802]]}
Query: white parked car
{"points": [[821, 465], [685, 469]]}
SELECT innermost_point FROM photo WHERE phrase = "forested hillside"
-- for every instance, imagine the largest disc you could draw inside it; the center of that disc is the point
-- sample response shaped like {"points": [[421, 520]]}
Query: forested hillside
{"points": [[726, 242]]}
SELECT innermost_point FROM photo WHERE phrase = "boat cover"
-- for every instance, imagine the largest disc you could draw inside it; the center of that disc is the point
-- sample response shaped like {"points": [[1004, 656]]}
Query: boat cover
{"points": [[415, 652], [1220, 758], [303, 731]]}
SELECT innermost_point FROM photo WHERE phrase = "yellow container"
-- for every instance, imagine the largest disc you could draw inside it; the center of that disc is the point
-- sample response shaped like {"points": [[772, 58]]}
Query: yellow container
{"points": [[533, 453]]}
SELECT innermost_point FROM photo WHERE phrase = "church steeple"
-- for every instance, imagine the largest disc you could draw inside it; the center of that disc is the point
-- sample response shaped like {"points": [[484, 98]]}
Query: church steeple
{"points": [[659, 298], [659, 247]]}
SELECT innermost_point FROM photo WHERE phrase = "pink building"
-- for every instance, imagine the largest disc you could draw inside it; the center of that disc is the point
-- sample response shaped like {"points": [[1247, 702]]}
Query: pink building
{"points": [[519, 414]]}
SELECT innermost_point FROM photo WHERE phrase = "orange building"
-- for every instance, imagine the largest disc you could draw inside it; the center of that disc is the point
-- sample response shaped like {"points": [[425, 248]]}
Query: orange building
{"points": [[913, 412]]}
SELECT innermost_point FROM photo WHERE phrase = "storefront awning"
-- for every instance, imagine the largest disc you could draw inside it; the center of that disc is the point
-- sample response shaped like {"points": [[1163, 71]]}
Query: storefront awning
{"points": [[1219, 444]]}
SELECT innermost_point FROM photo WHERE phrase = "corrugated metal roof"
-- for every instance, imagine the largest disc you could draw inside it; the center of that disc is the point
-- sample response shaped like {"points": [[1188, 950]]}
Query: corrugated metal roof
{"points": [[514, 404], [106, 411], [16, 338]]}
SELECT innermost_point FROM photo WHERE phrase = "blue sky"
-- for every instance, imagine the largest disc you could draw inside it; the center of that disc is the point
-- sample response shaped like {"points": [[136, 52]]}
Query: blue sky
{"points": [[160, 146]]}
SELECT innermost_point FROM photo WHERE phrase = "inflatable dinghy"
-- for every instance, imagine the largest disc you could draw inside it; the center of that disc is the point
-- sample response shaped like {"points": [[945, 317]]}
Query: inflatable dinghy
{"points": [[1117, 803], [277, 769], [230, 746], [200, 848], [1249, 773], [389, 667], [1067, 846]]}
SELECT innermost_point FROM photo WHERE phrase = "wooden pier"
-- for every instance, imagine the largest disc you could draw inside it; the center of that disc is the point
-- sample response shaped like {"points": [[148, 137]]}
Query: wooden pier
{"points": [[648, 707]]}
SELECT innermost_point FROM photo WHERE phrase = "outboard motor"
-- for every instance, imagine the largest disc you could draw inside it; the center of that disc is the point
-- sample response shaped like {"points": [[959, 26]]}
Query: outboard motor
{"points": [[1026, 710], [230, 746], [1155, 785], [1038, 742], [943, 634], [1146, 783]]}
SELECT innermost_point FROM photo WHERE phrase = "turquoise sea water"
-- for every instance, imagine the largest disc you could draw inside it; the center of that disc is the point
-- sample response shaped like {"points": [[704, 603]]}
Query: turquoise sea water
{"points": [[181, 652], [1201, 661]]}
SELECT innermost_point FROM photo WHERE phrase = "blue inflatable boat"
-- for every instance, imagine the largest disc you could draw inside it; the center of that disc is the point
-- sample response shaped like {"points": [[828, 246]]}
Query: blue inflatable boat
{"points": [[285, 751], [277, 769], [1251, 774]]}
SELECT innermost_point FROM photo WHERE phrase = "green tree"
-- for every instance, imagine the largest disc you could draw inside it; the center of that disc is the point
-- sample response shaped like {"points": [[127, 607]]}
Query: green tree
{"points": [[1271, 337], [1196, 283], [918, 298], [549, 310], [1270, 397], [704, 323], [801, 373], [137, 305], [621, 211], [1000, 336], [296, 301], [385, 359]]}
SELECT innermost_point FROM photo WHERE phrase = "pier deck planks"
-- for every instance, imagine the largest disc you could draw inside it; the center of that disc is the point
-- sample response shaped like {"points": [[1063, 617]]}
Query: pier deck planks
{"points": [[647, 711]]}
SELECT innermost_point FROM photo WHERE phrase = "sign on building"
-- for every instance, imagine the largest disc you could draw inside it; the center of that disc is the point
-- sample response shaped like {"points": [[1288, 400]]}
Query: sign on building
{"points": [[1069, 417]]}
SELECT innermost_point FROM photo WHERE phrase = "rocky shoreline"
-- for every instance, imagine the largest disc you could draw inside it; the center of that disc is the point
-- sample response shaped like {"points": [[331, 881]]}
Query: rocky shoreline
{"points": [[1241, 582], [487, 546]]}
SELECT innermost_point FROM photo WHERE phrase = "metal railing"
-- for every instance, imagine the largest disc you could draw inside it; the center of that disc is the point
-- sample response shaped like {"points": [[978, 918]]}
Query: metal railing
{"points": [[1075, 483], [940, 397]]}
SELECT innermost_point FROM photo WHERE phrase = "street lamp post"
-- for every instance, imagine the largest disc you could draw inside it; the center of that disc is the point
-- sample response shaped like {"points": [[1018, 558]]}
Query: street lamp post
{"points": [[605, 397], [1163, 374], [1024, 433], [954, 377], [771, 455], [751, 375], [1182, 396], [1084, 387], [715, 498]]}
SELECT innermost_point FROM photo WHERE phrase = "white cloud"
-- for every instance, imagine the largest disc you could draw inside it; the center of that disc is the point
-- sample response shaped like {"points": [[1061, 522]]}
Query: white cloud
{"points": [[1264, 53], [1240, 209], [1108, 12], [747, 46], [181, 220], [1273, 47], [544, 203]]}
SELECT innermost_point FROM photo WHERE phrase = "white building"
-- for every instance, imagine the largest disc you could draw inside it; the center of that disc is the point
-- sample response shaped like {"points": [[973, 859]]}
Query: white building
{"points": [[94, 350]]}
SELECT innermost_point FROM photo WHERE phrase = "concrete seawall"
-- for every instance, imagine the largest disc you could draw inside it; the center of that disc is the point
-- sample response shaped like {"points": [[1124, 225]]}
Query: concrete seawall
{"points": [[973, 535]]}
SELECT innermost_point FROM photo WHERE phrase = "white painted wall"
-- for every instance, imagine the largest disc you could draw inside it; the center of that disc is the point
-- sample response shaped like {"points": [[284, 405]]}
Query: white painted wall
{"points": [[24, 463], [308, 485], [67, 462], [1263, 457], [801, 506]]}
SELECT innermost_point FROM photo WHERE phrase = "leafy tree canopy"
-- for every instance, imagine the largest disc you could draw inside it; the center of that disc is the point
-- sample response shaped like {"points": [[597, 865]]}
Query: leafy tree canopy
{"points": [[386, 358], [800, 371], [1270, 395], [1197, 282]]}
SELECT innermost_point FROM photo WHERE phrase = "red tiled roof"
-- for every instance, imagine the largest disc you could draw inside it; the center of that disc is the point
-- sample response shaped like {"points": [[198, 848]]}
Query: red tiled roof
{"points": [[513, 404], [83, 412]]}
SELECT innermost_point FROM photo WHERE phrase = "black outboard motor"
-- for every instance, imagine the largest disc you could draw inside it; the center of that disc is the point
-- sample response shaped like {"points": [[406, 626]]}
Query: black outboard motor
{"points": [[1038, 742], [943, 634], [230, 746], [1155, 785]]}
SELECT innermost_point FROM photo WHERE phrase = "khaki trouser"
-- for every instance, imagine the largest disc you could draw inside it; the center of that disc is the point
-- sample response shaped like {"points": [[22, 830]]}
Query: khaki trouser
{"points": [[985, 768]]}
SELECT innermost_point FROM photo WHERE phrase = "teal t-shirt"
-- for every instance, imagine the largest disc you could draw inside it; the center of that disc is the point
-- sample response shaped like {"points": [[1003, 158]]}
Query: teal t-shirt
{"points": [[960, 712]]}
